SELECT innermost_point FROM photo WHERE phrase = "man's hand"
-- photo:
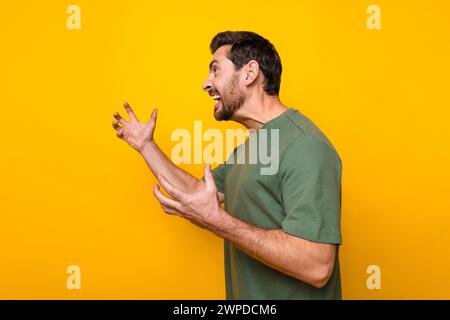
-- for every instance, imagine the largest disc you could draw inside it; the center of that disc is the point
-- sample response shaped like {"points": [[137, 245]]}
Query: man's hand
{"points": [[201, 207], [134, 132]]}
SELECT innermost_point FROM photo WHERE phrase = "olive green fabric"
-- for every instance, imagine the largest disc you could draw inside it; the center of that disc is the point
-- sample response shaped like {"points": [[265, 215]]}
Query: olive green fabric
{"points": [[303, 198]]}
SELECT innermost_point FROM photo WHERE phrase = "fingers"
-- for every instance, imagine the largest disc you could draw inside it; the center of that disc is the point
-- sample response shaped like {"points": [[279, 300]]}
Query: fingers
{"points": [[116, 125], [119, 133], [173, 191], [165, 200], [129, 111], [119, 118], [170, 210], [118, 128]]}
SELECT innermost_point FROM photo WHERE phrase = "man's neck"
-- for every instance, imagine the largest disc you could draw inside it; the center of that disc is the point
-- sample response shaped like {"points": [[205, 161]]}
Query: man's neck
{"points": [[254, 114]]}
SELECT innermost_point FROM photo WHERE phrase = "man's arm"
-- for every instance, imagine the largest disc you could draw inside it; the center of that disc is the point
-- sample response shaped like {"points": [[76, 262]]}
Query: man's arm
{"points": [[139, 135], [308, 261], [159, 163]]}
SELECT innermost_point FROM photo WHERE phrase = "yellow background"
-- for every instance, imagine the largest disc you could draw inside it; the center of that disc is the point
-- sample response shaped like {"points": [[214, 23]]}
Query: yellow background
{"points": [[72, 193]]}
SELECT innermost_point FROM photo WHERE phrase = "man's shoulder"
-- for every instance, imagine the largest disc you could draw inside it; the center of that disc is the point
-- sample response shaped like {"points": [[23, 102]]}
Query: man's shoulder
{"points": [[307, 145], [302, 134]]}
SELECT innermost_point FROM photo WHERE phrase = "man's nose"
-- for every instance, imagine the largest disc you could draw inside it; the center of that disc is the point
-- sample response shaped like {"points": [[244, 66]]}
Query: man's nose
{"points": [[206, 86]]}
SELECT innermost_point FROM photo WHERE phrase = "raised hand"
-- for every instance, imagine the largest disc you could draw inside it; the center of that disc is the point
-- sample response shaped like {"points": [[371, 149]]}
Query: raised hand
{"points": [[134, 132]]}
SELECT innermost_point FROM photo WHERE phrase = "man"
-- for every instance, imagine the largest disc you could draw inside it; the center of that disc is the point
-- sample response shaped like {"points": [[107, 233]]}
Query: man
{"points": [[282, 230]]}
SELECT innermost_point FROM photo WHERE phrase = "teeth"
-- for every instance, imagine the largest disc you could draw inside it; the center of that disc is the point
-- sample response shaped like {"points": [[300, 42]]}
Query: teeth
{"points": [[216, 97]]}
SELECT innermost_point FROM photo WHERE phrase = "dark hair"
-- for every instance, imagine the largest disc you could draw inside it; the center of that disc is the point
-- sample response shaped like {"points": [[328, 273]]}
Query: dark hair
{"points": [[246, 46]]}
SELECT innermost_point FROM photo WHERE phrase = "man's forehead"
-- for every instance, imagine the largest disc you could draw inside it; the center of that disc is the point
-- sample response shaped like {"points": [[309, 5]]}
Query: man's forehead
{"points": [[221, 53]]}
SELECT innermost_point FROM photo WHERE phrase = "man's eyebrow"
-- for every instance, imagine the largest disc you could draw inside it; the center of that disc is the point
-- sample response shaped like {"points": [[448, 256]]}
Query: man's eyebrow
{"points": [[211, 63]]}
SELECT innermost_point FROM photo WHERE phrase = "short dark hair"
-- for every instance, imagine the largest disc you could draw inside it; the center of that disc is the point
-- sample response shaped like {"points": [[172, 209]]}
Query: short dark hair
{"points": [[246, 46]]}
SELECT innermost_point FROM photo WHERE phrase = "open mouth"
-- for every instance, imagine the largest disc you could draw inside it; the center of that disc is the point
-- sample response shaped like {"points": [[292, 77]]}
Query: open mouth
{"points": [[217, 98]]}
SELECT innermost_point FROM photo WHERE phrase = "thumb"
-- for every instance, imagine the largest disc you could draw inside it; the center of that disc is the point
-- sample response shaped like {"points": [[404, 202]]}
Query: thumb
{"points": [[209, 178], [154, 115]]}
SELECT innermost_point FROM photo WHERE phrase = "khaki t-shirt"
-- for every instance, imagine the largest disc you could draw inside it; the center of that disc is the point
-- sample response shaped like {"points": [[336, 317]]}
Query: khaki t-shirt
{"points": [[303, 198]]}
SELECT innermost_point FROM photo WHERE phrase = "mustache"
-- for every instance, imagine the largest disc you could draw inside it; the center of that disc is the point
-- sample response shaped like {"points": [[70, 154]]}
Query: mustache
{"points": [[214, 92]]}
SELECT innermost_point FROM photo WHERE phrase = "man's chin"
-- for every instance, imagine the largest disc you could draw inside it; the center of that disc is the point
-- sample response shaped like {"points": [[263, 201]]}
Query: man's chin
{"points": [[218, 112], [222, 113], [218, 115]]}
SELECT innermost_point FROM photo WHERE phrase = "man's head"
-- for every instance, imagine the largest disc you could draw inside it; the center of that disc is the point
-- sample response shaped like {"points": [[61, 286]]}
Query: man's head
{"points": [[243, 62]]}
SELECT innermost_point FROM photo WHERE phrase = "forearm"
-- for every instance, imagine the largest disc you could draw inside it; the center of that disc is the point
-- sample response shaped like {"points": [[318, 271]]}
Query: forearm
{"points": [[293, 256], [159, 163]]}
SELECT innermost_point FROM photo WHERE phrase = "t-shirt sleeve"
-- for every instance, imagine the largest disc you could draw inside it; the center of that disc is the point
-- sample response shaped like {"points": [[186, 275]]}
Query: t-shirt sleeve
{"points": [[219, 177], [311, 191]]}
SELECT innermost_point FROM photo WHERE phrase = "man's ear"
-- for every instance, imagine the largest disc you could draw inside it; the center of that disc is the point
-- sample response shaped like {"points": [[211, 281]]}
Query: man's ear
{"points": [[251, 72]]}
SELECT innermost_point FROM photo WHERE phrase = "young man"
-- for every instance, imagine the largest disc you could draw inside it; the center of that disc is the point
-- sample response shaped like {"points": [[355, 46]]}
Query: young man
{"points": [[281, 230]]}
